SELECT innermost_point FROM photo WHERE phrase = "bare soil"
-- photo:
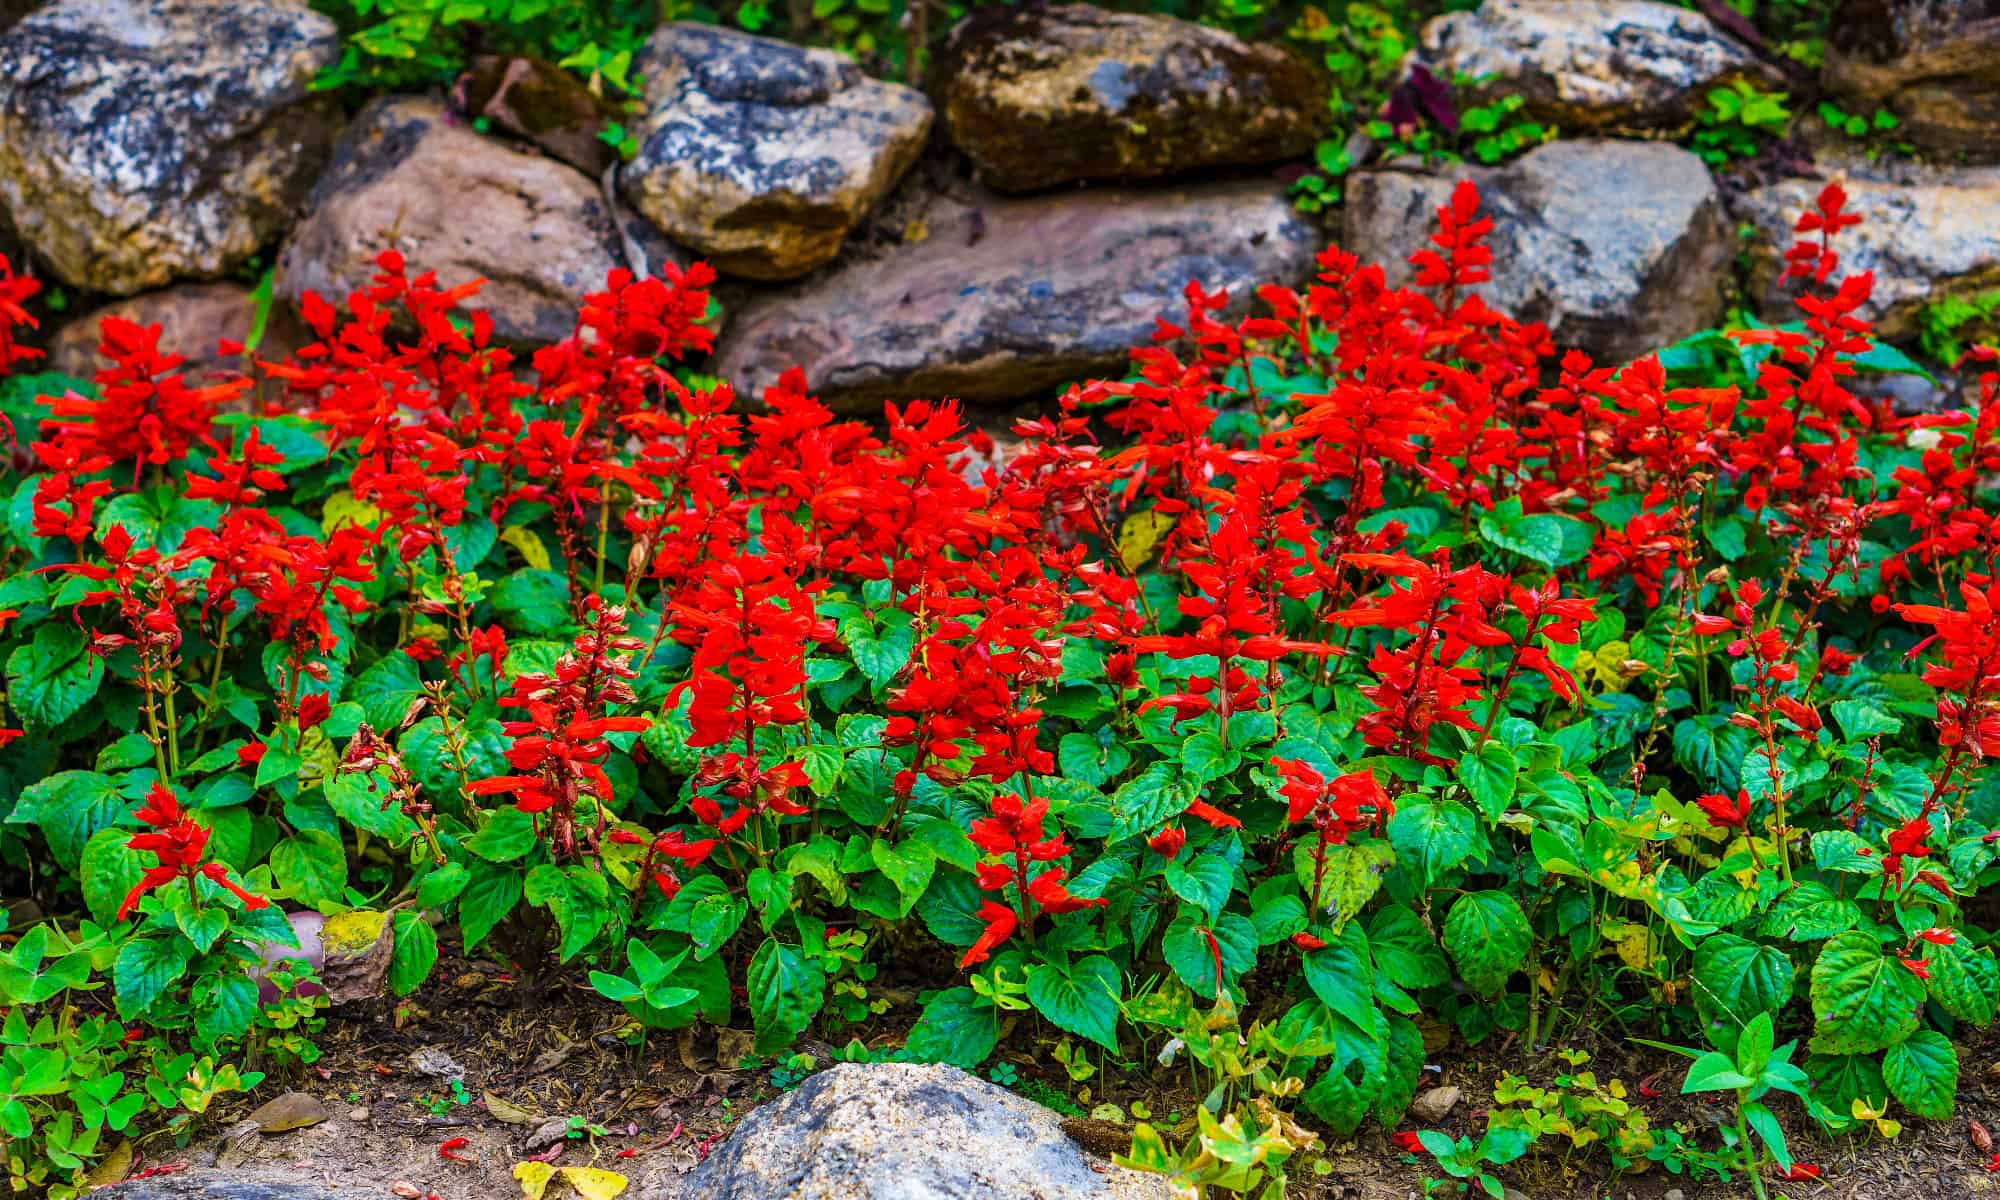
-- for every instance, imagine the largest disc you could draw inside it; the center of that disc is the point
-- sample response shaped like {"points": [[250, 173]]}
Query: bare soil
{"points": [[653, 1105]]}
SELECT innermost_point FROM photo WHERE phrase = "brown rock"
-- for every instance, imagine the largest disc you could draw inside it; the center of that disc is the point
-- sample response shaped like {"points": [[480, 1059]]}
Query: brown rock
{"points": [[143, 141], [1004, 298], [405, 176], [1590, 65], [193, 319], [762, 155], [1618, 247], [1037, 96], [1434, 1105], [1935, 64]]}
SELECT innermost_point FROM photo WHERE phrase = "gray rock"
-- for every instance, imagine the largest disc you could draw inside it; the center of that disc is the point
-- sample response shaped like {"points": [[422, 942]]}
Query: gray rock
{"points": [[1935, 64], [1925, 235], [143, 141], [1037, 96], [897, 1131], [405, 176], [1618, 247], [762, 155], [1590, 65], [202, 1184], [1004, 298], [194, 318]]}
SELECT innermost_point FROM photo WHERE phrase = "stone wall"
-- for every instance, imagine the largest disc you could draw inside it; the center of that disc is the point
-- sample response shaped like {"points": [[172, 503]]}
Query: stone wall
{"points": [[1069, 172]]}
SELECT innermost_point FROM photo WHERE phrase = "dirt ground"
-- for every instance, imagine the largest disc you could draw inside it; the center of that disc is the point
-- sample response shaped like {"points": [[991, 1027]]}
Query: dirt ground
{"points": [[564, 1077]]}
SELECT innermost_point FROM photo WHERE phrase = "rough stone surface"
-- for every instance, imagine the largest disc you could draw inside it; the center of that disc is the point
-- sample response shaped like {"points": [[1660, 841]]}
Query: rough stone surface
{"points": [[762, 155], [1618, 247], [1040, 96], [1590, 65], [1933, 63], [465, 206], [143, 141], [1926, 234], [193, 319], [897, 1131], [233, 1185], [1004, 298]]}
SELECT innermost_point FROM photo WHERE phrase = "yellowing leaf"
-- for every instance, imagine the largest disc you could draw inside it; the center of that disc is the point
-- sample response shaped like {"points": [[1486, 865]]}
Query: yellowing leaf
{"points": [[532, 551], [342, 508], [594, 1183], [112, 1167], [1140, 535], [534, 1178]]}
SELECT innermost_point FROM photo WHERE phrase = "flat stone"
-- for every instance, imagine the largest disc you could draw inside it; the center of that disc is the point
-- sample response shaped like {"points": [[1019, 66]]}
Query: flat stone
{"points": [[208, 1184], [1618, 247], [762, 155], [1935, 64], [899, 1131], [144, 141], [1590, 65], [408, 177], [1926, 235], [194, 318], [1037, 96], [1004, 298]]}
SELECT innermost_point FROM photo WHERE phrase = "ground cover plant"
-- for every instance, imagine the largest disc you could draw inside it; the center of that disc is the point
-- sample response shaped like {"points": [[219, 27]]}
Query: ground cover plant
{"points": [[1354, 674]]}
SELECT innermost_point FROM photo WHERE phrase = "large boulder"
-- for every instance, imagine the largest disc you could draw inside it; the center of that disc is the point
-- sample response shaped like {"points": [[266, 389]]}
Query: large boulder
{"points": [[143, 141], [762, 155], [1618, 247], [1590, 65], [408, 177], [899, 1131], [1927, 234], [1037, 96], [194, 319], [1003, 298], [1935, 64]]}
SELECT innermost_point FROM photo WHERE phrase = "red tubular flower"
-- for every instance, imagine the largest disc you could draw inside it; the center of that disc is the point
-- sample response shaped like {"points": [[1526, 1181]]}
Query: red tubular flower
{"points": [[1407, 1141], [1015, 835], [1167, 842], [1725, 812], [146, 414], [178, 846]]}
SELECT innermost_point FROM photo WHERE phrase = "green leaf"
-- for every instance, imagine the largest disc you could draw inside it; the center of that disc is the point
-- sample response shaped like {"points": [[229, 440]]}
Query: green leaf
{"points": [[442, 886], [1343, 978], [69, 807], [1964, 980], [387, 689], [359, 801], [1083, 1000], [1488, 937], [507, 835], [1735, 981], [1842, 850], [311, 866], [1404, 949], [1435, 836], [1189, 952], [144, 969], [1147, 802], [415, 952], [1715, 1072], [785, 990], [488, 898], [224, 1006], [535, 602], [577, 896], [957, 1027], [1489, 776], [109, 872], [1862, 1000], [50, 679], [1205, 759], [1206, 880], [1922, 1072]]}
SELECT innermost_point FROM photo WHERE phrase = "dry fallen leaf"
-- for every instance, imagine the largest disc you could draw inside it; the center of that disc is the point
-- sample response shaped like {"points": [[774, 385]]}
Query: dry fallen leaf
{"points": [[406, 1189], [1982, 1141], [112, 1167], [509, 1112], [293, 1110], [732, 1046]]}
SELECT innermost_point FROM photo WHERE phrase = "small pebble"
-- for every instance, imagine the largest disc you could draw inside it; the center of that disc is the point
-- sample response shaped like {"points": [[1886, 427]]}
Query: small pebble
{"points": [[359, 1116], [1433, 1105], [1674, 1194]]}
